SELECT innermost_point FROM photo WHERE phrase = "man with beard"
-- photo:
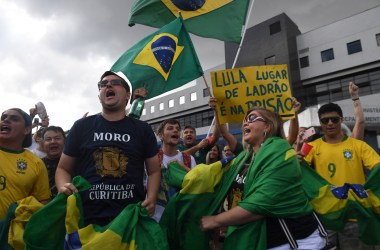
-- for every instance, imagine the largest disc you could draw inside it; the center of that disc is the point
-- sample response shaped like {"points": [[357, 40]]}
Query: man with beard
{"points": [[169, 133], [22, 173], [53, 139]]}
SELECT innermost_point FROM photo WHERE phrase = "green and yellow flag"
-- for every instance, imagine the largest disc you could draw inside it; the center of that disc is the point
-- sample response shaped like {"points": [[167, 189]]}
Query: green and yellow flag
{"points": [[162, 61], [12, 226], [181, 216], [273, 187], [219, 19], [59, 225], [336, 205]]}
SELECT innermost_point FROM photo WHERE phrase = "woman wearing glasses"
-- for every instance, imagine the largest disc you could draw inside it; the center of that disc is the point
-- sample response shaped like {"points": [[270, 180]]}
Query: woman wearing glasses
{"points": [[265, 202]]}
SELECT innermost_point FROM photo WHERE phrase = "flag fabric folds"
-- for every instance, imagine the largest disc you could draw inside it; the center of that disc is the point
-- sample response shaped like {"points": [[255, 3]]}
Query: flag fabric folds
{"points": [[221, 19], [162, 61], [270, 189], [174, 175], [4, 226], [63, 219], [181, 216], [336, 205], [12, 226]]}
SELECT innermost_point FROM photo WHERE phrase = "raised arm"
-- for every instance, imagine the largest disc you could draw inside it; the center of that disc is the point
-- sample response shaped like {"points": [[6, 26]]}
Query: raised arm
{"points": [[358, 130], [294, 125], [216, 132], [230, 139]]}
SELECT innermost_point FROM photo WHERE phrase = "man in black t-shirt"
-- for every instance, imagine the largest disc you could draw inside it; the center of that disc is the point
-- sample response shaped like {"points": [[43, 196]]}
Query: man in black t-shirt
{"points": [[110, 150], [53, 140]]}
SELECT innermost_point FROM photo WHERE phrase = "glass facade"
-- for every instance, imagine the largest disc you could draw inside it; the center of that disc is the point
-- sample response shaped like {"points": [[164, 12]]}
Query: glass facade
{"points": [[337, 89]]}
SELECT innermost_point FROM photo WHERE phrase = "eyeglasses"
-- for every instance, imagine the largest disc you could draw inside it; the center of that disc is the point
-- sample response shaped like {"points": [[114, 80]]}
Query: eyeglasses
{"points": [[252, 118], [326, 120], [114, 82]]}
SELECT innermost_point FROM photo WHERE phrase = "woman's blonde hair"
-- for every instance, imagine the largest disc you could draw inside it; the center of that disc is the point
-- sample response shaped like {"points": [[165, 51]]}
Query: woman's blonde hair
{"points": [[273, 119]]}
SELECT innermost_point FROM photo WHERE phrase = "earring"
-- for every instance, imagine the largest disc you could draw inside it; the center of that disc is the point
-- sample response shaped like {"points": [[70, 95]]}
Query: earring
{"points": [[265, 134]]}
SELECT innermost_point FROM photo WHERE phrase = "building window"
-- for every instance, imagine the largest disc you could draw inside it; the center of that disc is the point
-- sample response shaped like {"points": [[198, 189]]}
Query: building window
{"points": [[205, 92], [378, 39], [171, 103], [354, 47], [161, 106], [327, 55], [270, 60], [275, 28], [304, 62], [193, 96], [151, 109], [144, 112], [182, 100]]}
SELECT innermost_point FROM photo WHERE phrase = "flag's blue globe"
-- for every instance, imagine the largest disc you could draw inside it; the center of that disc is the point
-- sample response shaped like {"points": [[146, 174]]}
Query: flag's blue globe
{"points": [[189, 5], [164, 49]]}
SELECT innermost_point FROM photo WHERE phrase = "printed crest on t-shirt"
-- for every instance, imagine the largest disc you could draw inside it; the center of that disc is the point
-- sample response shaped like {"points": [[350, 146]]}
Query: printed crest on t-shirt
{"points": [[21, 164], [347, 154], [110, 161]]}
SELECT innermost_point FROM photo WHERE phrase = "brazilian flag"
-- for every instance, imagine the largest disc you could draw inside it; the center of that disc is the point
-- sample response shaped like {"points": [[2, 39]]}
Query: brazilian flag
{"points": [[336, 205], [181, 216], [219, 19], [12, 226], [273, 187], [59, 225], [162, 61]]}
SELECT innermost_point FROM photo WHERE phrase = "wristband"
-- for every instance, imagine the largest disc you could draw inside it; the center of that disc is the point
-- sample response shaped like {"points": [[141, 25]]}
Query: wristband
{"points": [[355, 99]]}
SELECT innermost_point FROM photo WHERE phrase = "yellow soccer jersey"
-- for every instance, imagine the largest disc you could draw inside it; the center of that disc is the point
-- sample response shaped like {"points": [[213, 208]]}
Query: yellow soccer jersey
{"points": [[22, 174], [342, 162]]}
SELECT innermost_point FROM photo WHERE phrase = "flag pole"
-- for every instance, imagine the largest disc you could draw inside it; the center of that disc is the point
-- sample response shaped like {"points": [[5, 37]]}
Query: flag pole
{"points": [[208, 87], [236, 57], [209, 91], [244, 31], [241, 43]]}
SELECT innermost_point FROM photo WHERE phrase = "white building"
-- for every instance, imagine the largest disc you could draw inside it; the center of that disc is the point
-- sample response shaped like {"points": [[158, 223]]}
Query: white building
{"points": [[321, 62]]}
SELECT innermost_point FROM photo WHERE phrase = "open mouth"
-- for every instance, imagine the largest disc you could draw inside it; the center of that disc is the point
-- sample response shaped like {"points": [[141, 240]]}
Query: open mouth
{"points": [[175, 136], [246, 130], [110, 93], [53, 147], [5, 128]]}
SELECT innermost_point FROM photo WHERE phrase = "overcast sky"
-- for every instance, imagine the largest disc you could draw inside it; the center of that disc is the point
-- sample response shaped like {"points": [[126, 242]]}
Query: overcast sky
{"points": [[55, 51]]}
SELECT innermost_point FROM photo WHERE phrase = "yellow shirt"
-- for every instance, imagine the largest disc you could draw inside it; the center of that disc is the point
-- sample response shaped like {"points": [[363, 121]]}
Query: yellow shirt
{"points": [[342, 162], [22, 174]]}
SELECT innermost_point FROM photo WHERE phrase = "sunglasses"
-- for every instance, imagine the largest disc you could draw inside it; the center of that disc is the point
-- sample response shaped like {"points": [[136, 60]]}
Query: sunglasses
{"points": [[334, 119], [252, 118], [114, 82]]}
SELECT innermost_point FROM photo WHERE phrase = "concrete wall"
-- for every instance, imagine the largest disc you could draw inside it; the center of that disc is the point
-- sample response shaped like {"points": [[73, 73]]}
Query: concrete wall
{"points": [[363, 27]]}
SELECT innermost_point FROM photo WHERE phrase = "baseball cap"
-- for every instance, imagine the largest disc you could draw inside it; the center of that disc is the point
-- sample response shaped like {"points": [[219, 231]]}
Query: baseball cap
{"points": [[127, 84], [27, 142]]}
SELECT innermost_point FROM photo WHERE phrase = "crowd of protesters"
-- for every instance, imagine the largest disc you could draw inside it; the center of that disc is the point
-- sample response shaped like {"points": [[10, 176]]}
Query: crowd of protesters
{"points": [[116, 152]]}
